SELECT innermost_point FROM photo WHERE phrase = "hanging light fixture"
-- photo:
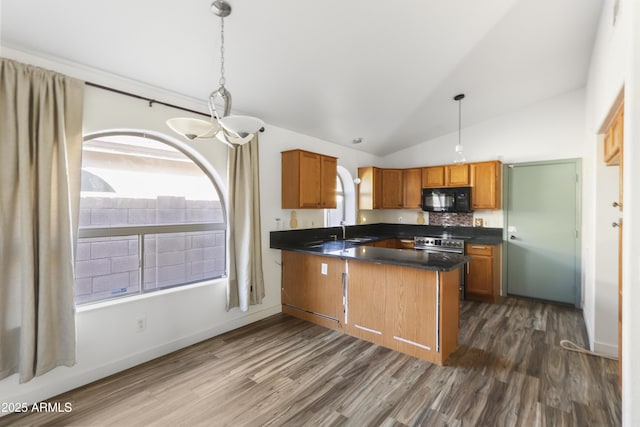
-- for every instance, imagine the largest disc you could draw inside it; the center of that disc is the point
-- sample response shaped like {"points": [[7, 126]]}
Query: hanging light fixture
{"points": [[459, 148], [229, 129]]}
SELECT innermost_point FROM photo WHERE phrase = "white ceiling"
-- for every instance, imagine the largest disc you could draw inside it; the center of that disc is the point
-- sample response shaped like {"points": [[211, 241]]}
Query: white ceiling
{"points": [[384, 71]]}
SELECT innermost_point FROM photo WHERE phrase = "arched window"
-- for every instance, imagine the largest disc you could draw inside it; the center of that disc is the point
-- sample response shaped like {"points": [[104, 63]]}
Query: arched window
{"points": [[151, 218], [345, 201]]}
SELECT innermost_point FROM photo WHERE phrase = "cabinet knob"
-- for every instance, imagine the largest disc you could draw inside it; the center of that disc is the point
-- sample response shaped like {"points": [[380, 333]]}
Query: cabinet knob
{"points": [[512, 237]]}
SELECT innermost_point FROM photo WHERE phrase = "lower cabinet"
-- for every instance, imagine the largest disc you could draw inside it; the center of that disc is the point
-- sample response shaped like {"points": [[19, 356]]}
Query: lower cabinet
{"points": [[367, 297], [312, 288], [393, 306], [396, 307], [483, 278]]}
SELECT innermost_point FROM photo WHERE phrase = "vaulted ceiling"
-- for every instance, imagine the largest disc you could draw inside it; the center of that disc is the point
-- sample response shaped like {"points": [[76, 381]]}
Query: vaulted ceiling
{"points": [[337, 70]]}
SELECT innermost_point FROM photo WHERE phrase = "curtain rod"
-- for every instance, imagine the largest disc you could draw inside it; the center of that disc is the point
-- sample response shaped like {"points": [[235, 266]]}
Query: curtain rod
{"points": [[151, 101]]}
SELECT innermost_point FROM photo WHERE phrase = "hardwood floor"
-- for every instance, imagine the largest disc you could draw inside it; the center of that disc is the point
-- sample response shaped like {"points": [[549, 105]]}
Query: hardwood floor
{"points": [[508, 371]]}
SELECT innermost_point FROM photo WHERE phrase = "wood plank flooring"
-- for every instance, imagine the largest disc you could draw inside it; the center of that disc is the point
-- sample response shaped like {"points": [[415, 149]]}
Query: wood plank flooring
{"points": [[508, 371]]}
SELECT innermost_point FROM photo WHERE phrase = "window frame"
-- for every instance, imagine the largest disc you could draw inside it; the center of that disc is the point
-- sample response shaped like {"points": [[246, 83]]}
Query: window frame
{"points": [[143, 230]]}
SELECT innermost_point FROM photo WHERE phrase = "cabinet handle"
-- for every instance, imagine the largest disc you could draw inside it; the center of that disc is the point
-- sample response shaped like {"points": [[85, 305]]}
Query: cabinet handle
{"points": [[615, 224], [617, 205], [478, 247]]}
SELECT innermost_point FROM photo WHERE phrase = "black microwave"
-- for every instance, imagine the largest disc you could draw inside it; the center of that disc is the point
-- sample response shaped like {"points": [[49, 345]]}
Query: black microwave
{"points": [[454, 199]]}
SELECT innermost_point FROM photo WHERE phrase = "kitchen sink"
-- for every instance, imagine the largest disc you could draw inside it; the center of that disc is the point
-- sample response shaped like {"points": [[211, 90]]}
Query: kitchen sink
{"points": [[360, 239]]}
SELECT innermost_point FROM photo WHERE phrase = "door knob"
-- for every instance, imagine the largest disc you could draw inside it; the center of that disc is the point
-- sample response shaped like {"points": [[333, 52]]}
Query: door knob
{"points": [[512, 237]]}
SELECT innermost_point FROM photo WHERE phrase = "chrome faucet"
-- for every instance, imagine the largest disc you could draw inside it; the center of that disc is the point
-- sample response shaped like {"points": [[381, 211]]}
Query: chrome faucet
{"points": [[344, 229]]}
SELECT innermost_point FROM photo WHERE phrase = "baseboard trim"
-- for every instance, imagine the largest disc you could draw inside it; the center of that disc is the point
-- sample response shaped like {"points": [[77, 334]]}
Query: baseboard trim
{"points": [[49, 390], [604, 348]]}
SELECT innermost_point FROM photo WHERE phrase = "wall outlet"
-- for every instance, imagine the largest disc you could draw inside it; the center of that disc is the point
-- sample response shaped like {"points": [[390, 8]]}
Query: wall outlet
{"points": [[323, 269], [141, 324]]}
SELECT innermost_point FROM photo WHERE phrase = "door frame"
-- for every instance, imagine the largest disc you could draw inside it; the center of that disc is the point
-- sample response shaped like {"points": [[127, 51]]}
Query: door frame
{"points": [[505, 233]]}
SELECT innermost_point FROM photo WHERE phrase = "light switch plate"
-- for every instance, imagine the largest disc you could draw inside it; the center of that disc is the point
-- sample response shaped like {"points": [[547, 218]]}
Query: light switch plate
{"points": [[323, 269]]}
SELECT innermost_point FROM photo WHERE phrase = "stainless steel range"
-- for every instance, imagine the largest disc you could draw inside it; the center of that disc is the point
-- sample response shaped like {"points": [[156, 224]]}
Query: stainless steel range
{"points": [[442, 244]]}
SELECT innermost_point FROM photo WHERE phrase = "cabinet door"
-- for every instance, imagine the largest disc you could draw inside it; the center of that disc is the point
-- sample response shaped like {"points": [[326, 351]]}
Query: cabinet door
{"points": [[412, 183], [306, 287], [411, 310], [294, 292], [310, 167], [329, 172], [456, 175], [392, 189], [370, 188], [366, 302], [613, 139], [479, 280], [486, 185], [433, 177]]}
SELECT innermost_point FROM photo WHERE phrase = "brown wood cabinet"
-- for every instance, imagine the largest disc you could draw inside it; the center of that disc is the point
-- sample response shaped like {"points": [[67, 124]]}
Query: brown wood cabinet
{"points": [[392, 189], [483, 278], [367, 303], [412, 188], [402, 188], [486, 185], [397, 307], [308, 292], [433, 177], [370, 188], [308, 180], [613, 138], [456, 175], [387, 243]]}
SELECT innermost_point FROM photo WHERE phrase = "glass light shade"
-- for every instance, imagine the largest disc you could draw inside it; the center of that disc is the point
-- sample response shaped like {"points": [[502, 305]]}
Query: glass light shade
{"points": [[241, 126], [231, 139], [459, 154], [192, 128]]}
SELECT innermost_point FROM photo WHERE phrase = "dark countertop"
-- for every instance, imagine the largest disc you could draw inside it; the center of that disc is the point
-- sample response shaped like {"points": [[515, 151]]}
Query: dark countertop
{"points": [[320, 241], [438, 261]]}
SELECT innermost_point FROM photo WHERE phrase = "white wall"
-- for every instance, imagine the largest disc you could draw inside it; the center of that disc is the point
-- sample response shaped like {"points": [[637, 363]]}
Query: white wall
{"points": [[551, 129], [106, 333], [615, 65], [601, 186], [631, 249]]}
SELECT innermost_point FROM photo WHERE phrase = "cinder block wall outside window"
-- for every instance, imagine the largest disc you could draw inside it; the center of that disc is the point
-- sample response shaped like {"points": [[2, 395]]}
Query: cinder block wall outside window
{"points": [[108, 266]]}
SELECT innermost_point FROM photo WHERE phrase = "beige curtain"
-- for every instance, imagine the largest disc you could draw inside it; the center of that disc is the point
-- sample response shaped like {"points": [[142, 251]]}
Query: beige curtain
{"points": [[246, 283], [40, 154]]}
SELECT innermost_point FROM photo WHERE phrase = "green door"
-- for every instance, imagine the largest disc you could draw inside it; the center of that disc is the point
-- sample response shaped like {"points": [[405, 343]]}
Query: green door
{"points": [[542, 222]]}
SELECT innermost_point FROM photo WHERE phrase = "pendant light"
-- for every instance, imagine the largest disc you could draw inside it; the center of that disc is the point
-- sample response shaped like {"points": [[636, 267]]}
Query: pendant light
{"points": [[229, 129], [459, 148]]}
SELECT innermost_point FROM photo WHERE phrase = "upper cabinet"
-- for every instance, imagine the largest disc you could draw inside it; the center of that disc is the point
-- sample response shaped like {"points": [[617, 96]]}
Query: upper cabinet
{"points": [[370, 188], [392, 189], [613, 139], [433, 177], [412, 188], [486, 185], [402, 188], [308, 180], [456, 175]]}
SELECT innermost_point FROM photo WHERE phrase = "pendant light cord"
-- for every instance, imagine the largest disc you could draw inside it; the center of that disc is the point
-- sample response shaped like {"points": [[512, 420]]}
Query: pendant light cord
{"points": [[459, 121], [222, 80]]}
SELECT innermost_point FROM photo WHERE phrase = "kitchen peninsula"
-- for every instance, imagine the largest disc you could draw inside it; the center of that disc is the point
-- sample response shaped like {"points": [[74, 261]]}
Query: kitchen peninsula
{"points": [[406, 300]]}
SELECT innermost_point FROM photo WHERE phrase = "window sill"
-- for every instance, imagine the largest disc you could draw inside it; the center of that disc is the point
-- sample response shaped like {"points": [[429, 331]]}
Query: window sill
{"points": [[138, 297]]}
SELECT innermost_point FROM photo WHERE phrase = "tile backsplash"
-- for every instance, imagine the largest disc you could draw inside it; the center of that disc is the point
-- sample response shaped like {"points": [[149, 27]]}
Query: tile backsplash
{"points": [[446, 218]]}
